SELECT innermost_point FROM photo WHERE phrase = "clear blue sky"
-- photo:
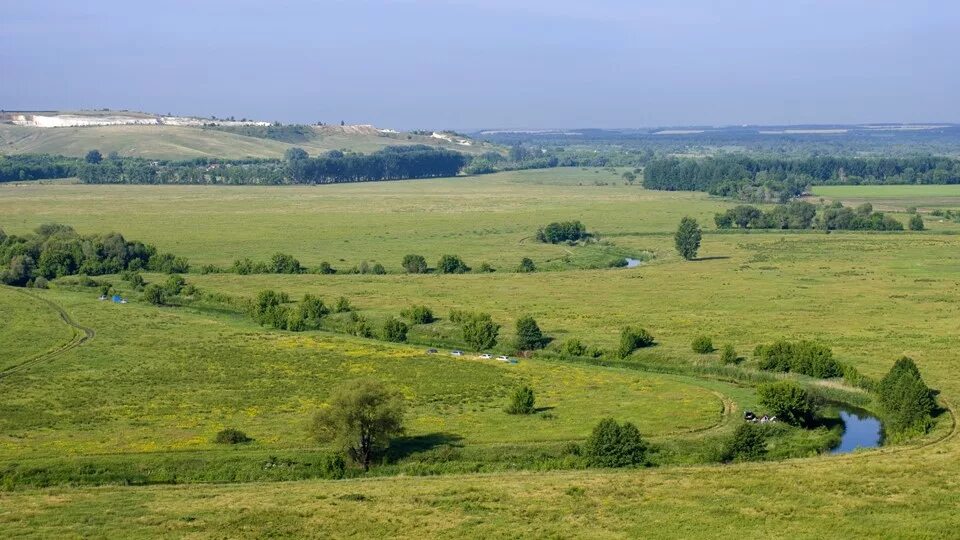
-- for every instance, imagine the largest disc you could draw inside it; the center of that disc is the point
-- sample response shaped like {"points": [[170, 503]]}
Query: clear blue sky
{"points": [[490, 63]]}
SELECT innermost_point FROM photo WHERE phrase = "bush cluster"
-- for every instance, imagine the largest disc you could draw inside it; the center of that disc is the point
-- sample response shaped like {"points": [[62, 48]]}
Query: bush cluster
{"points": [[611, 444], [633, 338], [804, 357], [418, 314], [562, 231], [788, 401], [54, 251], [702, 345], [522, 401]]}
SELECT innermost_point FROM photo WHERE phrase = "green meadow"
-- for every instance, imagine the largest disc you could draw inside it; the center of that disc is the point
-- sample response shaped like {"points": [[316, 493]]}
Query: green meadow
{"points": [[141, 400]]}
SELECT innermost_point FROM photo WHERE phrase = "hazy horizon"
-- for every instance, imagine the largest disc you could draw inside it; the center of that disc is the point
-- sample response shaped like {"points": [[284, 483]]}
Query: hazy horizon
{"points": [[473, 64]]}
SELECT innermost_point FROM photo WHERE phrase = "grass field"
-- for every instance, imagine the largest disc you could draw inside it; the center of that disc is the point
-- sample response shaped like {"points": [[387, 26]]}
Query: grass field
{"points": [[184, 142], [154, 384], [895, 198], [491, 218], [28, 328]]}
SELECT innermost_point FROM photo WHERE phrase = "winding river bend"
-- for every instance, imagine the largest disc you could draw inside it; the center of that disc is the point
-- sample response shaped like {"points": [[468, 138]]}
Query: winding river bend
{"points": [[860, 430]]}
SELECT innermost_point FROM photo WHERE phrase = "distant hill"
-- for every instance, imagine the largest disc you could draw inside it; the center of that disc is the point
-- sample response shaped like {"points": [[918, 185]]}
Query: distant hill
{"points": [[165, 137]]}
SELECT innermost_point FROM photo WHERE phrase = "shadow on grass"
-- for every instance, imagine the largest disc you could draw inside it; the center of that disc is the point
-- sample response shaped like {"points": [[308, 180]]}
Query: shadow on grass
{"points": [[719, 258], [403, 447]]}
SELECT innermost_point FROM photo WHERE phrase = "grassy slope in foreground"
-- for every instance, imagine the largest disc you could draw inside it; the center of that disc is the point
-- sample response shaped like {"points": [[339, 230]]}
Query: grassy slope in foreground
{"points": [[185, 142]]}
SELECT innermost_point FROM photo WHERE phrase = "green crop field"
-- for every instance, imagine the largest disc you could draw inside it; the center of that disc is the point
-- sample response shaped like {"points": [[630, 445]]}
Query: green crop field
{"points": [[185, 142], [135, 393]]}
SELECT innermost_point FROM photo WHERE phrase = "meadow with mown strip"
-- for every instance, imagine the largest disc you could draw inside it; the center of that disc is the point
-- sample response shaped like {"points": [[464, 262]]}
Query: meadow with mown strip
{"points": [[142, 400]]}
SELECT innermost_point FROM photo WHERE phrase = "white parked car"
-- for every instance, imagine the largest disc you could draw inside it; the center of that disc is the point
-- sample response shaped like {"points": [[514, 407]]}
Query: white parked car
{"points": [[503, 358], [486, 356], [456, 353]]}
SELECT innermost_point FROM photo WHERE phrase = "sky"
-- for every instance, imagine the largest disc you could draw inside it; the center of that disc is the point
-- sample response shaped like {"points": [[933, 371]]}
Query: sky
{"points": [[468, 64]]}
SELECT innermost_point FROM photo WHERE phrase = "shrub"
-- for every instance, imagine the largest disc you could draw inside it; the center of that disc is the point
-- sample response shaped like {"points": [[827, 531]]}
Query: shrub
{"points": [[479, 330], [905, 400], [573, 347], [452, 264], [168, 264], [414, 264], [729, 355], [282, 263], [703, 345], [633, 338], [342, 305], [308, 314], [360, 327], [529, 336], [394, 330], [231, 436], [325, 268], [154, 294], [916, 223], [748, 443], [522, 401], [268, 309], [788, 401], [418, 314], [378, 269], [174, 285], [526, 265], [486, 268], [615, 445]]}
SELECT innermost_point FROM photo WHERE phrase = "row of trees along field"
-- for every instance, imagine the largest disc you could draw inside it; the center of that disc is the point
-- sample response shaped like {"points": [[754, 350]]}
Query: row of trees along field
{"points": [[390, 163], [804, 215], [765, 179]]}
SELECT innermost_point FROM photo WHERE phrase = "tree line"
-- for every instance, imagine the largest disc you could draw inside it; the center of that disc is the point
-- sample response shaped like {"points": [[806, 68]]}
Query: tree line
{"points": [[768, 178], [390, 163]]}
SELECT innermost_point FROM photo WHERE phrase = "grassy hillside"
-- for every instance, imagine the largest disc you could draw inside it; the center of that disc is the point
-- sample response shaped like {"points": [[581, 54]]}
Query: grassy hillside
{"points": [[146, 394], [182, 142]]}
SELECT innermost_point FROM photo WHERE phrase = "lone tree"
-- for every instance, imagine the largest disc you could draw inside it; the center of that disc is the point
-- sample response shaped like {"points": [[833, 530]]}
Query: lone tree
{"points": [[362, 416], [414, 264], [529, 336], [522, 401], [93, 157], [479, 330], [688, 238]]}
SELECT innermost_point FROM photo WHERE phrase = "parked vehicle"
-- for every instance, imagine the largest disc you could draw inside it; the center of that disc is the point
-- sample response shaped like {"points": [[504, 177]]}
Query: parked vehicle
{"points": [[456, 353], [486, 356]]}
